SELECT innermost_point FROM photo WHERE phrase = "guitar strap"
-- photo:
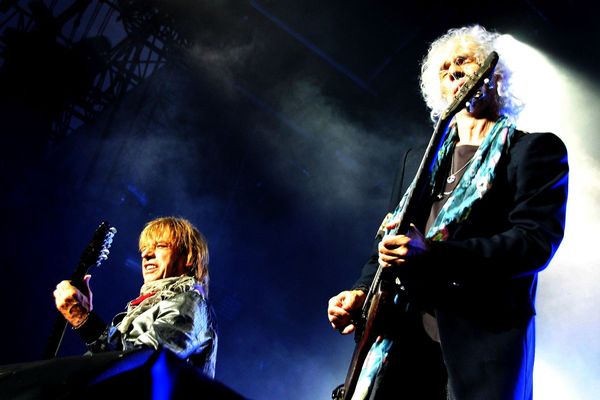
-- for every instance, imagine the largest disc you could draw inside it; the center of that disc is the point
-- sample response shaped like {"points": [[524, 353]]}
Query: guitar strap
{"points": [[372, 368]]}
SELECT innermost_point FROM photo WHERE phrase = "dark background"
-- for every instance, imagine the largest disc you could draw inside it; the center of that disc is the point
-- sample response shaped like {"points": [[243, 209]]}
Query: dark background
{"points": [[275, 128]]}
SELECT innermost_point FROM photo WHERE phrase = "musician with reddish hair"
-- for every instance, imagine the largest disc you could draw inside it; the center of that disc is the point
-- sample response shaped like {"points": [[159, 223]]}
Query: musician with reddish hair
{"points": [[465, 272], [172, 310]]}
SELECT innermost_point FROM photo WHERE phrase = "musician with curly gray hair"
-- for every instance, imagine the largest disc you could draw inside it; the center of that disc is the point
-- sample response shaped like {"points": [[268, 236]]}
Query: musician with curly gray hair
{"points": [[492, 218]]}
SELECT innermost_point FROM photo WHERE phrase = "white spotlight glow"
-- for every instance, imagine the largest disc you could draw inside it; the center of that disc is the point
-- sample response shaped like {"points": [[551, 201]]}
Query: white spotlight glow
{"points": [[561, 101]]}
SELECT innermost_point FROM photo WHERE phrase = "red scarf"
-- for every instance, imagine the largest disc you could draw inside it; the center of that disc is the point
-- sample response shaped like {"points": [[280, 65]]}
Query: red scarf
{"points": [[138, 300]]}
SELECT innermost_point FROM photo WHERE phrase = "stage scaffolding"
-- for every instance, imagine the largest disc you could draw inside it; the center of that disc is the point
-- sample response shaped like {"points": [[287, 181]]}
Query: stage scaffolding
{"points": [[96, 51]]}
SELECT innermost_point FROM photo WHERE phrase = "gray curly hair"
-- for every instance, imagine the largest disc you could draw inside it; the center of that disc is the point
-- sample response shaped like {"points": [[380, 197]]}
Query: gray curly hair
{"points": [[482, 43]]}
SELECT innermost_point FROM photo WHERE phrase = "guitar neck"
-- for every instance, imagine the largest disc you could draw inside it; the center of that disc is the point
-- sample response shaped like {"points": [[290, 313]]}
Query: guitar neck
{"points": [[60, 324], [95, 252], [414, 199]]}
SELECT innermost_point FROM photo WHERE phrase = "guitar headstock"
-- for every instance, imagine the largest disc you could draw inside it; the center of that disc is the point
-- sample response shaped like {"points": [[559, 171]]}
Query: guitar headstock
{"points": [[471, 86], [96, 251]]}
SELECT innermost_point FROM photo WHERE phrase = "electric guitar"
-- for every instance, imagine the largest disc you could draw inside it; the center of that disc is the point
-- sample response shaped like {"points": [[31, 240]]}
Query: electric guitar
{"points": [[382, 291], [93, 255]]}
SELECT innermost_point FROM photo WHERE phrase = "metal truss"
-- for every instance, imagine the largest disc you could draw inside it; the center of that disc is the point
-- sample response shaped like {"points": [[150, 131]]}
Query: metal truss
{"points": [[144, 35]]}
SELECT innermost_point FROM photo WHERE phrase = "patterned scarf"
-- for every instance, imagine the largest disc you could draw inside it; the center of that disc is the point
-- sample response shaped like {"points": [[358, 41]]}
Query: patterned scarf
{"points": [[153, 292], [476, 181]]}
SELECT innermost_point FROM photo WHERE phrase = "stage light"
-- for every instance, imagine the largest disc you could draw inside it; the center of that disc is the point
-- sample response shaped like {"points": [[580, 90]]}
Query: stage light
{"points": [[559, 99]]}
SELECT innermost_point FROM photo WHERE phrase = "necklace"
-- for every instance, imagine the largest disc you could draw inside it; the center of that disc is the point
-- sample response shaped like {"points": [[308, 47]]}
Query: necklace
{"points": [[452, 177]]}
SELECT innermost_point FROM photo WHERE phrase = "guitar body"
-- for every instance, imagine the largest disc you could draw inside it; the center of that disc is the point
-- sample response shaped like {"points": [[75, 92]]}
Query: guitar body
{"points": [[94, 254], [381, 304], [384, 289]]}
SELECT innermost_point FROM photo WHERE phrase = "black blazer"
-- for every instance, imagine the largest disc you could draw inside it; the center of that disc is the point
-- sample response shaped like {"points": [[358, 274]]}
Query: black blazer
{"points": [[489, 264]]}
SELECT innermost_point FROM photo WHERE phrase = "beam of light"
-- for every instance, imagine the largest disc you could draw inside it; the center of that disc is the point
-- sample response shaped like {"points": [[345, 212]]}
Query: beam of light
{"points": [[551, 384], [270, 109], [312, 47], [560, 100]]}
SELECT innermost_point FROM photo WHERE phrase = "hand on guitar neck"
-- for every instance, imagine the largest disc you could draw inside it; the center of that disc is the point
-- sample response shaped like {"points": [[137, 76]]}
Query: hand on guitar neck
{"points": [[74, 305], [396, 250], [73, 298]]}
